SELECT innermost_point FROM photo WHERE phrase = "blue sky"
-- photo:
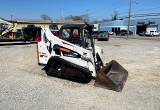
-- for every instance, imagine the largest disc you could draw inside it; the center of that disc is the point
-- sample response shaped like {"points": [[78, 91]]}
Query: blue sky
{"points": [[97, 9]]}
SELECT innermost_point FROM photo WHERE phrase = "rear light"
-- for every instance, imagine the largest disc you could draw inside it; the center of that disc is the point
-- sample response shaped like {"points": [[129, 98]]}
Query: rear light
{"points": [[41, 55], [38, 38]]}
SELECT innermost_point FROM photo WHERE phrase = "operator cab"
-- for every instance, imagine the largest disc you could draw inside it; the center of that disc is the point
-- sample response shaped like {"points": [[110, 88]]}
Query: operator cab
{"points": [[76, 33]]}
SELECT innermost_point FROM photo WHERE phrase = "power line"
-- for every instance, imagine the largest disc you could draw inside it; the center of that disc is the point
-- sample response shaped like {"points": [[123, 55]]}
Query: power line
{"points": [[144, 10], [141, 15], [148, 9]]}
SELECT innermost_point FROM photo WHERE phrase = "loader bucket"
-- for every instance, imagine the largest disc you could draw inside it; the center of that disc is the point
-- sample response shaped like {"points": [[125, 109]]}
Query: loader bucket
{"points": [[112, 76]]}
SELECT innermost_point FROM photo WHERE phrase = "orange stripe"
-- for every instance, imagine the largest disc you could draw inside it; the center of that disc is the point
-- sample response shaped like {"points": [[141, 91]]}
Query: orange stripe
{"points": [[65, 50]]}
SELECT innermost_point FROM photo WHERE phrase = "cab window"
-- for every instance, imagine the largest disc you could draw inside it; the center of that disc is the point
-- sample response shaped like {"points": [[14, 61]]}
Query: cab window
{"points": [[66, 33]]}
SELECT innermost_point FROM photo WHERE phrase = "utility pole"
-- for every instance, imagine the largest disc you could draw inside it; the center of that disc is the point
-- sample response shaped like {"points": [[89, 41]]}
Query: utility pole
{"points": [[129, 17], [11, 17], [87, 15], [62, 17]]}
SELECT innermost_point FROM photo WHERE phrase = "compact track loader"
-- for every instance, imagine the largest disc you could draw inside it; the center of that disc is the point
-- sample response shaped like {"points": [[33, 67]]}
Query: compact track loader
{"points": [[73, 55]]}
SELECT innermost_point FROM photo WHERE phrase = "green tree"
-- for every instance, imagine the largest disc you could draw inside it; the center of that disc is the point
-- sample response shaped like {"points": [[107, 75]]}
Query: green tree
{"points": [[45, 17], [115, 15], [74, 18]]}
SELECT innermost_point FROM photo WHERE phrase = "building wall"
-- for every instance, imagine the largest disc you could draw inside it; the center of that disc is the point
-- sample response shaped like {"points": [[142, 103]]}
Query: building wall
{"points": [[21, 25], [2, 21], [155, 20], [121, 24]]}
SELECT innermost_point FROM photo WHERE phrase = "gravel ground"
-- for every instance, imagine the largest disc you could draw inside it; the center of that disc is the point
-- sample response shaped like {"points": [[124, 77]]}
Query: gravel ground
{"points": [[24, 86]]}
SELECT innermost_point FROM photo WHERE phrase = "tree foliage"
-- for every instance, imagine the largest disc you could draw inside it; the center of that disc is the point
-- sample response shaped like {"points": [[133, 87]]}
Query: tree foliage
{"points": [[45, 17], [84, 17], [115, 15], [74, 18]]}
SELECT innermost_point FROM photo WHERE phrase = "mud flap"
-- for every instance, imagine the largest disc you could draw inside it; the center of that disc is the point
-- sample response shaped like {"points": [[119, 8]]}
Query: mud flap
{"points": [[112, 76]]}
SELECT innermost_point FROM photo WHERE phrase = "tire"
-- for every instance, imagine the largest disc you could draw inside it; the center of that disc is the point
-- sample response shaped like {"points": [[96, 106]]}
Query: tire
{"points": [[53, 69], [61, 68]]}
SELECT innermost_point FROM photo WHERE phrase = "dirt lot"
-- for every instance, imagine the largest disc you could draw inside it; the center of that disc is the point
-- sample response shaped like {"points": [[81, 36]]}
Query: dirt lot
{"points": [[24, 86]]}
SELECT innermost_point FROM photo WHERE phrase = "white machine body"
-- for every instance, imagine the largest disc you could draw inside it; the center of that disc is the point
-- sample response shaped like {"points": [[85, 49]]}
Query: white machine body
{"points": [[48, 41]]}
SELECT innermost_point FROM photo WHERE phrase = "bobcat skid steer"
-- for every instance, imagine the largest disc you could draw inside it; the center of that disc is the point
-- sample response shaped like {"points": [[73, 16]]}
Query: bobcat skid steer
{"points": [[72, 55]]}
